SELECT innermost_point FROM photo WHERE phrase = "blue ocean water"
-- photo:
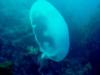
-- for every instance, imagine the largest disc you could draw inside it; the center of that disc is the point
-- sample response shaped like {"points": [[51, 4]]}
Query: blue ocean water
{"points": [[19, 51]]}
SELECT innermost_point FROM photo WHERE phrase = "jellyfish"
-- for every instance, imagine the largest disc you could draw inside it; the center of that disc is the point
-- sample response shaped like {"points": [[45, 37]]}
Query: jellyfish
{"points": [[50, 30]]}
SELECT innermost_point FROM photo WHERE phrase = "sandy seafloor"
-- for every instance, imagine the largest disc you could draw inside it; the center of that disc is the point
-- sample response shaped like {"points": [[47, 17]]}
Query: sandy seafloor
{"points": [[19, 52]]}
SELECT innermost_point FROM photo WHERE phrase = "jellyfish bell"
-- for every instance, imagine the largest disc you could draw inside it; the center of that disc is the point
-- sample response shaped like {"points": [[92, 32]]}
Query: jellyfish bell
{"points": [[50, 30]]}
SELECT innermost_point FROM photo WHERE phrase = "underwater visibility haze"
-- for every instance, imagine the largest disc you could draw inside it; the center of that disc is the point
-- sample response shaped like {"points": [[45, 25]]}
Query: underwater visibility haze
{"points": [[49, 37]]}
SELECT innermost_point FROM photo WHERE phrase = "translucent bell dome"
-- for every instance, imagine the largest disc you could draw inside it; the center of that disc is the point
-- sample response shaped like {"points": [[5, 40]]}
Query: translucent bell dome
{"points": [[50, 30]]}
